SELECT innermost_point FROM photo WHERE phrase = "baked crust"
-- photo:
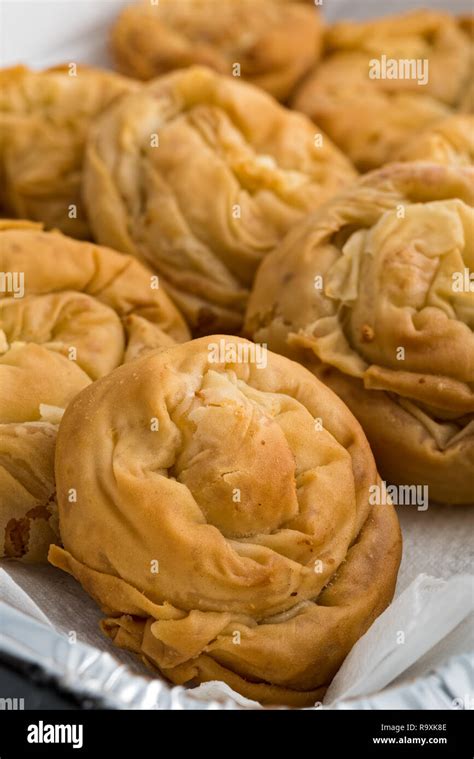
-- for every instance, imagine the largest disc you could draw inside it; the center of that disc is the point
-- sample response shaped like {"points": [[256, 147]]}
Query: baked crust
{"points": [[295, 568], [274, 43], [201, 176], [84, 311], [44, 118], [466, 24], [386, 326], [372, 118], [450, 141]]}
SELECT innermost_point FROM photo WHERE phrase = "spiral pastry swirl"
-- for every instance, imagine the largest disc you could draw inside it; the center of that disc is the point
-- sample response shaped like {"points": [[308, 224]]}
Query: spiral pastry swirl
{"points": [[398, 74], [201, 176], [233, 536], [70, 312], [376, 291]]}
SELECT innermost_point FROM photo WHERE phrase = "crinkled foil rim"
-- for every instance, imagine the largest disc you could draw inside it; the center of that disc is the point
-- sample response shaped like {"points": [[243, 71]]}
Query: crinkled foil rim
{"points": [[90, 673]]}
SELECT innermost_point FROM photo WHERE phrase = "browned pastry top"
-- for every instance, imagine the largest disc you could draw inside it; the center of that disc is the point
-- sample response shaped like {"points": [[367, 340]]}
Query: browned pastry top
{"points": [[272, 43], [369, 109], [76, 313], [223, 518]]}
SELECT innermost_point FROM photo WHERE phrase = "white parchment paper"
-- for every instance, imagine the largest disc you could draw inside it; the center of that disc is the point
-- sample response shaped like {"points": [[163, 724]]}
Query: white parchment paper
{"points": [[430, 620]]}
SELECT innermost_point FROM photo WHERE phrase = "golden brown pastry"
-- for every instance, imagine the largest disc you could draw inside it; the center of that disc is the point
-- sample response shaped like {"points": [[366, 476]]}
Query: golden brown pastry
{"points": [[70, 312], [273, 44], [222, 519], [201, 176], [450, 141], [44, 117], [466, 24], [376, 292], [369, 106]]}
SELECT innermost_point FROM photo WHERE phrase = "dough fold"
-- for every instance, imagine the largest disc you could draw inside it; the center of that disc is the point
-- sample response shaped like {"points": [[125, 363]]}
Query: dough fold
{"points": [[70, 312], [201, 176], [382, 81], [269, 44], [233, 534], [374, 292], [44, 120]]}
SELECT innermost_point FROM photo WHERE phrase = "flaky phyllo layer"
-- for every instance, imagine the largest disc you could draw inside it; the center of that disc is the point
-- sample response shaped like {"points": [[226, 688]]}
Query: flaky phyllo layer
{"points": [[44, 120], [219, 513], [270, 44], [201, 176], [378, 288], [70, 312], [449, 141], [384, 80]]}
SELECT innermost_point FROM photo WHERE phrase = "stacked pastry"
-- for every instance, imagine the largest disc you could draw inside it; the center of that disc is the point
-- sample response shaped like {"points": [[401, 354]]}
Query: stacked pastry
{"points": [[220, 502], [76, 313]]}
